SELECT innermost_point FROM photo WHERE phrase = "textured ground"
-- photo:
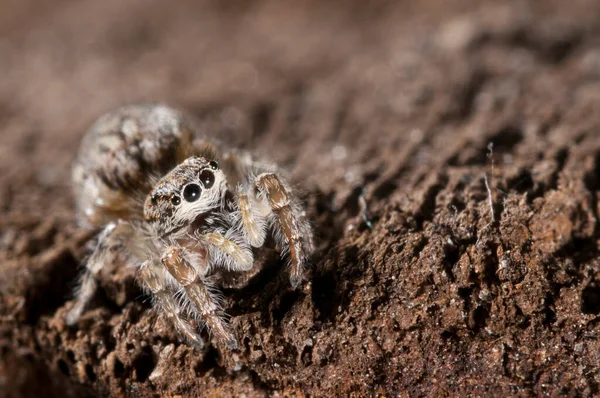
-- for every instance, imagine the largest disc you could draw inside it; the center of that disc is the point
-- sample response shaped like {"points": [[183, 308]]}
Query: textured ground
{"points": [[442, 296]]}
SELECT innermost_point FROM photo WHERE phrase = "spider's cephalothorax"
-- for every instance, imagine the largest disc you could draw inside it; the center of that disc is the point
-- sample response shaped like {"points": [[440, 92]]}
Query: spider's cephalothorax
{"points": [[166, 196], [194, 188]]}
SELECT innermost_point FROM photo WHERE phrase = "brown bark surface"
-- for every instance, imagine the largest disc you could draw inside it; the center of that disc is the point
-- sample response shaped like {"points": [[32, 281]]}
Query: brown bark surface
{"points": [[432, 292]]}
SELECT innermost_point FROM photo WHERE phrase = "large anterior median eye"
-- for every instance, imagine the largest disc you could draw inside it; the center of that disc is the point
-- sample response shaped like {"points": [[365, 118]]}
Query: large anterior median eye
{"points": [[191, 192], [207, 178]]}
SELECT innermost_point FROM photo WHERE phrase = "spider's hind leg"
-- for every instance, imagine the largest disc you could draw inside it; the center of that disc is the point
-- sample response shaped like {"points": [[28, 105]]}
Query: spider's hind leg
{"points": [[112, 239]]}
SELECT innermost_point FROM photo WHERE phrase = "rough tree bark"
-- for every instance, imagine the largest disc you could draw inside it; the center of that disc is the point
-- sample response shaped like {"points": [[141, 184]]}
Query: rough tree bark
{"points": [[395, 103]]}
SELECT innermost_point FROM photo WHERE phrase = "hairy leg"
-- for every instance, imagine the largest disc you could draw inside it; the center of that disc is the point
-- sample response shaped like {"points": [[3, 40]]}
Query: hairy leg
{"points": [[275, 203], [151, 279], [292, 226], [112, 239], [253, 221], [196, 291], [241, 258]]}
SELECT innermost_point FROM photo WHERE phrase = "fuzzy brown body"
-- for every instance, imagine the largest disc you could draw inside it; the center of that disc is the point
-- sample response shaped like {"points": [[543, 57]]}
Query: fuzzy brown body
{"points": [[180, 206], [122, 155]]}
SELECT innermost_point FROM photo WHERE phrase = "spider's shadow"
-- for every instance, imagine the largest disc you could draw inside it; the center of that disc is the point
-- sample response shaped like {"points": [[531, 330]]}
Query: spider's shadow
{"points": [[266, 289]]}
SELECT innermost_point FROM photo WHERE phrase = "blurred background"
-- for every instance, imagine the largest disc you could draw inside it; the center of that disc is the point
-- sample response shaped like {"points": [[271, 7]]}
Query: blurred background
{"points": [[345, 94], [318, 75]]}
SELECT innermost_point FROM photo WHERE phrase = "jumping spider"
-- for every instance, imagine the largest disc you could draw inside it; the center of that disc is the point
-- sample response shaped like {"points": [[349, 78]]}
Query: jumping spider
{"points": [[182, 208]]}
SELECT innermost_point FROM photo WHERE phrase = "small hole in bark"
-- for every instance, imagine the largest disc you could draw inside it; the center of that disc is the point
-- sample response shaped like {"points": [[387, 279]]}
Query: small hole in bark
{"points": [[119, 368], [62, 365], [385, 189], [449, 334], [507, 138], [29, 357], [306, 355], [521, 320], [464, 292], [549, 313], [89, 371], [480, 315], [285, 305], [324, 295], [210, 362], [143, 365], [590, 299], [522, 183], [71, 356]]}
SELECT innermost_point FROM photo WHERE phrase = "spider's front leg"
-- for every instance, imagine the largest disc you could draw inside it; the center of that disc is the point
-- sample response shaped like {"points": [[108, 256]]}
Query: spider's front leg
{"points": [[150, 274], [195, 287], [292, 230]]}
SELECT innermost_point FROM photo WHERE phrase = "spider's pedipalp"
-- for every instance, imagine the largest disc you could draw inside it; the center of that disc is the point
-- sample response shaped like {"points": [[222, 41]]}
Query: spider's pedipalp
{"points": [[255, 225], [238, 258]]}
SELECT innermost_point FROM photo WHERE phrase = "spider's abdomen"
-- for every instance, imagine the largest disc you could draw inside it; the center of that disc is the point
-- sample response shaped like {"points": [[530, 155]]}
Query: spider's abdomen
{"points": [[122, 155]]}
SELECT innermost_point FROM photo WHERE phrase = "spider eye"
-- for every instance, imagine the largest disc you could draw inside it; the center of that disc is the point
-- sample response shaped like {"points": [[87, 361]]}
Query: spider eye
{"points": [[191, 192], [154, 200], [175, 200], [207, 178], [213, 164]]}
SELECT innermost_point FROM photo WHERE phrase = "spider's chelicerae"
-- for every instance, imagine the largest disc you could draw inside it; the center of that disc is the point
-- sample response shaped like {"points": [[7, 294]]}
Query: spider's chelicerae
{"points": [[182, 208]]}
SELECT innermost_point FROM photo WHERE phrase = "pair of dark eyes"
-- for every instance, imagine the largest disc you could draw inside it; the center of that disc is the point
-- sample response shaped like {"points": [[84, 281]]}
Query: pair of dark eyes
{"points": [[192, 192]]}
